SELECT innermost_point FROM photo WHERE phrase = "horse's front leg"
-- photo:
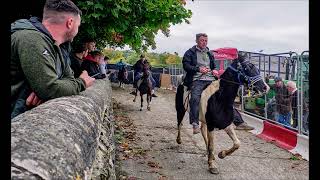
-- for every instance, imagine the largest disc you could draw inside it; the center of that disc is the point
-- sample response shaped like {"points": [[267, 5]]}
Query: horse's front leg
{"points": [[204, 133], [211, 160], [141, 102], [148, 101], [236, 142], [135, 96]]}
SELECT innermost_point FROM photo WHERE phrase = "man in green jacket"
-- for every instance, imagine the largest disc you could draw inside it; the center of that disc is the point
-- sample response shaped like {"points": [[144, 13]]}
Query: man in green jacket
{"points": [[38, 71]]}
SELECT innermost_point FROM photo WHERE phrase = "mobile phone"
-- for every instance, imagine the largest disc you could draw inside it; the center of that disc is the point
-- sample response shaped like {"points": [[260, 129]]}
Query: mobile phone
{"points": [[95, 75]]}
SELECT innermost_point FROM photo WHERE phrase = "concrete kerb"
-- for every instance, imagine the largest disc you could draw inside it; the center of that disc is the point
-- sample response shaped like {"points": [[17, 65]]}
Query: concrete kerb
{"points": [[281, 136], [302, 147], [254, 122]]}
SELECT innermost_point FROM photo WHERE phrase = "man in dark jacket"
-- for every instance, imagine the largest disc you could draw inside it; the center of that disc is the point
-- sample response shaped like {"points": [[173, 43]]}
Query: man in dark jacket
{"points": [[198, 62], [37, 68], [292, 88], [283, 102]]}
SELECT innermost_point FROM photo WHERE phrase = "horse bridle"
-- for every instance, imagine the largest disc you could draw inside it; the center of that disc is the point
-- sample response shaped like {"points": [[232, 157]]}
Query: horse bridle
{"points": [[251, 80]]}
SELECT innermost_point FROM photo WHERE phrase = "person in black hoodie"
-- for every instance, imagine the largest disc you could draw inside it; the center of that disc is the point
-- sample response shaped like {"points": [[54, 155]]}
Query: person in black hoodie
{"points": [[76, 58], [92, 65]]}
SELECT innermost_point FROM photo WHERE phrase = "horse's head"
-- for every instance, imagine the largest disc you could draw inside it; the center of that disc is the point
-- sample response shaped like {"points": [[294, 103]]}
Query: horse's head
{"points": [[248, 74], [145, 70]]}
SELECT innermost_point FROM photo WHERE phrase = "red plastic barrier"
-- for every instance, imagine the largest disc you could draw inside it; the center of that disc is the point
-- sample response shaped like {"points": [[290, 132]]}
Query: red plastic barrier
{"points": [[282, 136]]}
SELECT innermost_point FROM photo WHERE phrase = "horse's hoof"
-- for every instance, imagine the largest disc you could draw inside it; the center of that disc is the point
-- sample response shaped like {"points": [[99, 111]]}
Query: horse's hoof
{"points": [[178, 141], [134, 100], [221, 155], [213, 170], [140, 109], [149, 108]]}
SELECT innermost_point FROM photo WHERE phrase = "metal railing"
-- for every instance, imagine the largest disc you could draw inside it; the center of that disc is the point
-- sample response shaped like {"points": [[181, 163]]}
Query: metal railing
{"points": [[288, 66], [266, 107]]}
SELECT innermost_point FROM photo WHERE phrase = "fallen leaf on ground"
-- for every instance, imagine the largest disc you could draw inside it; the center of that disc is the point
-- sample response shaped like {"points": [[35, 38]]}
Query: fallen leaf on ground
{"points": [[152, 164]]}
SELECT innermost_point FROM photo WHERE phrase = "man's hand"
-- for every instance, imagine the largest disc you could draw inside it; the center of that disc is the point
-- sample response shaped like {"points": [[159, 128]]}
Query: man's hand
{"points": [[86, 78], [215, 73], [204, 70], [33, 100]]}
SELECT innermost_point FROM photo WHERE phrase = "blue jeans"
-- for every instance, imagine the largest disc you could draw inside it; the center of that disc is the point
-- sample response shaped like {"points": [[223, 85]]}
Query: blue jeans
{"points": [[284, 118], [139, 75], [196, 89]]}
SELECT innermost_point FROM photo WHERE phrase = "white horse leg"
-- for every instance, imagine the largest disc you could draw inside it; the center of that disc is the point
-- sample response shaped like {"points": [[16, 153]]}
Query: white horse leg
{"points": [[135, 96], [148, 102], [236, 143], [204, 132], [211, 160], [179, 134]]}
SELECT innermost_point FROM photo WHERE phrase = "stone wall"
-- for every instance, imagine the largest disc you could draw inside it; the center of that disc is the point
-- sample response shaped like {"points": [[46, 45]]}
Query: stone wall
{"points": [[66, 138]]}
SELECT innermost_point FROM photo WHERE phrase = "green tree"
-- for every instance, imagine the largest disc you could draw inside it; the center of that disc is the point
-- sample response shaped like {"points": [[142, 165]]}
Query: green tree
{"points": [[129, 22], [114, 56]]}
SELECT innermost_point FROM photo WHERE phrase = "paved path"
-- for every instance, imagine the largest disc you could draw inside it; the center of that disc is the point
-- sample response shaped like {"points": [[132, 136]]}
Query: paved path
{"points": [[150, 151]]}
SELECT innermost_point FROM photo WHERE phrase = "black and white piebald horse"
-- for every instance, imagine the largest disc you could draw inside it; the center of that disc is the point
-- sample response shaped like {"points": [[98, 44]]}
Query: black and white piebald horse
{"points": [[216, 104]]}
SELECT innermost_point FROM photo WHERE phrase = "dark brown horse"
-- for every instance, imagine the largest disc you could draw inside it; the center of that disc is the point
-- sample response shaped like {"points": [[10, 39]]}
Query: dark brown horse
{"points": [[123, 76], [216, 105], [144, 86]]}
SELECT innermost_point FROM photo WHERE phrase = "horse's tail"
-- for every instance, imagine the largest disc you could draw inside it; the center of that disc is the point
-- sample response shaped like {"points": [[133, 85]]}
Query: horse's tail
{"points": [[179, 104]]}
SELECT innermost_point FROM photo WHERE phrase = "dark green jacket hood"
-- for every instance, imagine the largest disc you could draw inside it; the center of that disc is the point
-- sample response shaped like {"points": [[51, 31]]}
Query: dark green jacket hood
{"points": [[33, 23]]}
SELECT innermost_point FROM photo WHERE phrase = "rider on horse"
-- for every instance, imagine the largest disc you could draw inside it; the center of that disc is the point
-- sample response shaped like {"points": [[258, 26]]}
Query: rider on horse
{"points": [[138, 71], [121, 65], [198, 62], [122, 71]]}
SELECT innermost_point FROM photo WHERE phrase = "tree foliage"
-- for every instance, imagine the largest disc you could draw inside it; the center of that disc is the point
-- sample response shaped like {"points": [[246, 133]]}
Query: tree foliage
{"points": [[131, 57], [129, 22]]}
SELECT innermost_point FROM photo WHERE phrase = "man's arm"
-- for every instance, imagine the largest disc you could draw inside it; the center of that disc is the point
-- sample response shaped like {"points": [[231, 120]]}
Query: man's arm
{"points": [[186, 61], [38, 62], [212, 62]]}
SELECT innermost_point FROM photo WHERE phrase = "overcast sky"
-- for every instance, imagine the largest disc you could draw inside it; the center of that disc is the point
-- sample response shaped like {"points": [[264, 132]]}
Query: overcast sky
{"points": [[273, 26]]}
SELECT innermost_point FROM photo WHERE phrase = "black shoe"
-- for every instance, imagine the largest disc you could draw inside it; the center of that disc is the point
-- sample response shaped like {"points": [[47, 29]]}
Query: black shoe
{"points": [[133, 93], [153, 95]]}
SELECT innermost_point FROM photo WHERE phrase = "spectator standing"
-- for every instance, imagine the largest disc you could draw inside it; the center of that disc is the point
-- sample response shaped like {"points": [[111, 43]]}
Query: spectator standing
{"points": [[283, 102], [292, 88]]}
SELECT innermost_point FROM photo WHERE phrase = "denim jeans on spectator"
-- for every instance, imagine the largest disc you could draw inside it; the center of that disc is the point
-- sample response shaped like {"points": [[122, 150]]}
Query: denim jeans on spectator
{"points": [[196, 90], [283, 118]]}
